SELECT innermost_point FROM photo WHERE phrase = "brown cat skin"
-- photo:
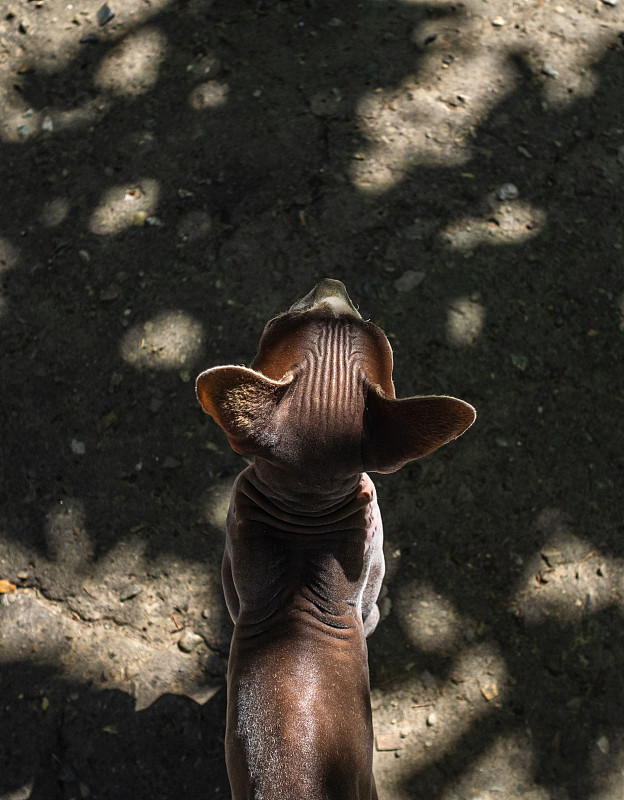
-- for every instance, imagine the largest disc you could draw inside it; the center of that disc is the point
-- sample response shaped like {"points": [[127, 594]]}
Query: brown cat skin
{"points": [[303, 561]]}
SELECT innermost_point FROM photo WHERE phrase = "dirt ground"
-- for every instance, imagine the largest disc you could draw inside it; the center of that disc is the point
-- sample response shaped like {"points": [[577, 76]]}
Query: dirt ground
{"points": [[175, 174]]}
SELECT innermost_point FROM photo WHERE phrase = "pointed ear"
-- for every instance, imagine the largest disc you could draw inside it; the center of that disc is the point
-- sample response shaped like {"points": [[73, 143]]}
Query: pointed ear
{"points": [[243, 402], [398, 431]]}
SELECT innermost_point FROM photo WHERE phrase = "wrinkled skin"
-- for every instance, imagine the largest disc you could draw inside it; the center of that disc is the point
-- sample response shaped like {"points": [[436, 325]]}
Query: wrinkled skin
{"points": [[303, 561]]}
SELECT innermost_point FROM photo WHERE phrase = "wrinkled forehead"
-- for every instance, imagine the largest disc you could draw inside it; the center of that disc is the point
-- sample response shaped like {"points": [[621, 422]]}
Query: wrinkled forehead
{"points": [[290, 338]]}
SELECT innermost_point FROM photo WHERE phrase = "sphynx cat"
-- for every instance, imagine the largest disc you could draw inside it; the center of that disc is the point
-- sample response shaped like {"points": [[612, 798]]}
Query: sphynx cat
{"points": [[303, 561]]}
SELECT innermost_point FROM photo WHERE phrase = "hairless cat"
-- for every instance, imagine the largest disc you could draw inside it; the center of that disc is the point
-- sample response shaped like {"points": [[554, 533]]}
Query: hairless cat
{"points": [[303, 561]]}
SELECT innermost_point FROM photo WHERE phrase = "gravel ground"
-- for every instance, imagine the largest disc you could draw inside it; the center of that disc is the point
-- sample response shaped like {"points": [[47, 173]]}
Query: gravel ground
{"points": [[173, 174]]}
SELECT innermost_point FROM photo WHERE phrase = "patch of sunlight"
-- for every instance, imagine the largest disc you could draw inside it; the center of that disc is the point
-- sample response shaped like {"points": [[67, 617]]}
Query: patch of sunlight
{"points": [[54, 212], [132, 67], [475, 690], [172, 340], [409, 126], [51, 55], [67, 541], [568, 579], [429, 620], [461, 74], [124, 206], [9, 255], [510, 223], [464, 322], [501, 770], [216, 501], [211, 94], [26, 123], [607, 768]]}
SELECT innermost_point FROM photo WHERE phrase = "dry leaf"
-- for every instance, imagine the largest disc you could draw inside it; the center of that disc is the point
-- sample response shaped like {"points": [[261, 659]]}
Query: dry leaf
{"points": [[6, 587]]}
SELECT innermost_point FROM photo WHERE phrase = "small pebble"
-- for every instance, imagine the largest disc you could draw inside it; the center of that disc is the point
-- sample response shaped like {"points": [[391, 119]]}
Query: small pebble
{"points": [[610, 2], [409, 280], [130, 592], [508, 191], [432, 719], [498, 22], [104, 15], [189, 641], [549, 69], [78, 448], [603, 745]]}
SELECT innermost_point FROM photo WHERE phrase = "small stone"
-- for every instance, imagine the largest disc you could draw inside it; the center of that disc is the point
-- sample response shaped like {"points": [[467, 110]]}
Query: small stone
{"points": [[132, 670], [508, 191], [610, 2], [603, 745], [498, 22], [78, 448], [409, 280], [189, 641], [432, 719], [549, 70], [47, 124], [90, 38], [130, 592], [490, 692], [520, 362], [22, 575], [111, 293], [104, 15]]}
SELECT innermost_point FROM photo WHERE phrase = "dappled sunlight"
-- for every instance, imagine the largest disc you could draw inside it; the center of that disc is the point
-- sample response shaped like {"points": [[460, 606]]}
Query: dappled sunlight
{"points": [[27, 123], [216, 502], [410, 125], [171, 340], [211, 94], [568, 579], [54, 212], [133, 66], [62, 32], [509, 223], [464, 321], [407, 127], [429, 620], [607, 769], [484, 777], [125, 206]]}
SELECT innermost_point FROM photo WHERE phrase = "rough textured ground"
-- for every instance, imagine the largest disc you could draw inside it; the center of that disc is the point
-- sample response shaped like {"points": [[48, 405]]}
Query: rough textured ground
{"points": [[169, 181]]}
